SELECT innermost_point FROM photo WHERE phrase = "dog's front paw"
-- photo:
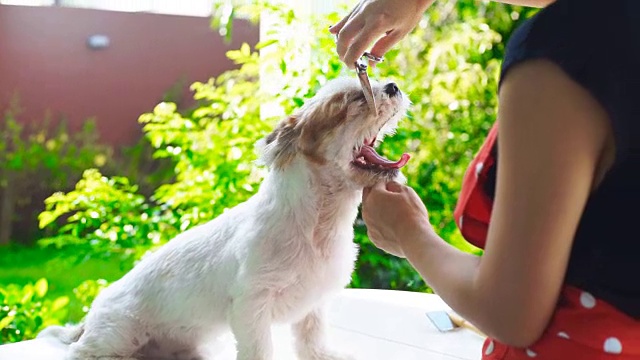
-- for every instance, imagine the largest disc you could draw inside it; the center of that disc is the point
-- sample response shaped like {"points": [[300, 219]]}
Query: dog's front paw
{"points": [[338, 356], [325, 355]]}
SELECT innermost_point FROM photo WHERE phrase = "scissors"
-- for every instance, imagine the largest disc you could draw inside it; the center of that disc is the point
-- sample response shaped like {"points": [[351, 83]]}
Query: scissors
{"points": [[361, 70]]}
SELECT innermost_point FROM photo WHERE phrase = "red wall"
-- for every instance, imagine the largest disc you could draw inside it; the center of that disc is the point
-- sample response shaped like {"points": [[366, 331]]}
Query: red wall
{"points": [[45, 60]]}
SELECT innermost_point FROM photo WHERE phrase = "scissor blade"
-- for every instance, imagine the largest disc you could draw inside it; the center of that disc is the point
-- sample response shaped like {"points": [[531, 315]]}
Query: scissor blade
{"points": [[366, 88]]}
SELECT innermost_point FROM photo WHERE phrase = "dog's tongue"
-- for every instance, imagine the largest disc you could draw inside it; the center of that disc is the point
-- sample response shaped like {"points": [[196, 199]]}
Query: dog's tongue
{"points": [[371, 156]]}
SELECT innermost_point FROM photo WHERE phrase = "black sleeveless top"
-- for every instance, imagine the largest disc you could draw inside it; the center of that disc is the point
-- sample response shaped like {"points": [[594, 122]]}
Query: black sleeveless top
{"points": [[597, 44]]}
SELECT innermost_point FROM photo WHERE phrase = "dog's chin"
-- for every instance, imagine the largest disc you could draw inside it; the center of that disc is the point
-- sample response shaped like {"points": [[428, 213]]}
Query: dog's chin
{"points": [[367, 167], [364, 177]]}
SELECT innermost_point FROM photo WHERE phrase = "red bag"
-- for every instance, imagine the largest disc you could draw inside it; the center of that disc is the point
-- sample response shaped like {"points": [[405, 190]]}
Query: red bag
{"points": [[473, 210], [582, 327]]}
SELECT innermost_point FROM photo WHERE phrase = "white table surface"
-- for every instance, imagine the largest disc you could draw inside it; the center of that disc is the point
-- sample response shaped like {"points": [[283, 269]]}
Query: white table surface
{"points": [[370, 324]]}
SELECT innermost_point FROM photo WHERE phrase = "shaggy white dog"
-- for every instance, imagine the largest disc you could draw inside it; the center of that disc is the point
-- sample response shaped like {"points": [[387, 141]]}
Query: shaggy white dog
{"points": [[275, 258]]}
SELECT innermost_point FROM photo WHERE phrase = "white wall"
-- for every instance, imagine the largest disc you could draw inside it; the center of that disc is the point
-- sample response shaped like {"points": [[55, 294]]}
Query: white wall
{"points": [[173, 7], [177, 7]]}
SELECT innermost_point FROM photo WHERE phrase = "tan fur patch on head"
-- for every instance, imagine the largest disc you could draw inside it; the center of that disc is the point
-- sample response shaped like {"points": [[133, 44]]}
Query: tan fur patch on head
{"points": [[321, 123], [308, 131], [285, 136]]}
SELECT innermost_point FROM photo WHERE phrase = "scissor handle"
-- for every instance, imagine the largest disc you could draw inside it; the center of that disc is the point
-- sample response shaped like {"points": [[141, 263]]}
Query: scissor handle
{"points": [[361, 66], [372, 57]]}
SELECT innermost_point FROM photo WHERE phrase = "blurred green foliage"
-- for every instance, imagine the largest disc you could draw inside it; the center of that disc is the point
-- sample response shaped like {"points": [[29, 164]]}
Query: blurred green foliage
{"points": [[40, 156], [36, 159], [25, 311]]}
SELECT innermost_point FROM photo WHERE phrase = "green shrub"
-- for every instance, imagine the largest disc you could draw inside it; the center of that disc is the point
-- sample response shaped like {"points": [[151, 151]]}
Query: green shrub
{"points": [[108, 217], [86, 292], [36, 159], [41, 157], [24, 311]]}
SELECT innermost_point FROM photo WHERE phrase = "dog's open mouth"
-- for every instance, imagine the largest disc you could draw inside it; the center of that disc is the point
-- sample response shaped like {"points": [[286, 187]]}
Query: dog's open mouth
{"points": [[366, 157]]}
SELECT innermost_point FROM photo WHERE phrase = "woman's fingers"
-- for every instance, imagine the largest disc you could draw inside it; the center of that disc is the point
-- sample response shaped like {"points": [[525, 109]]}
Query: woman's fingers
{"points": [[361, 43], [385, 44], [394, 187], [351, 29], [335, 29], [380, 22]]}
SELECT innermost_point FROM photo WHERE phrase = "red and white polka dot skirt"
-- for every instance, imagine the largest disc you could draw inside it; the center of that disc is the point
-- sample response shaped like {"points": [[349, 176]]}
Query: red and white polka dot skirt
{"points": [[582, 327]]}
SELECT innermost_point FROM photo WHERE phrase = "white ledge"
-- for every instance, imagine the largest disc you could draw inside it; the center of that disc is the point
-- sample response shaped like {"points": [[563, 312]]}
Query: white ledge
{"points": [[370, 324]]}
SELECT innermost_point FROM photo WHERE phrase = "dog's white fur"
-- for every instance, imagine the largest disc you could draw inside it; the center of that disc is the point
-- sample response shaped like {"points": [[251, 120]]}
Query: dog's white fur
{"points": [[274, 258]]}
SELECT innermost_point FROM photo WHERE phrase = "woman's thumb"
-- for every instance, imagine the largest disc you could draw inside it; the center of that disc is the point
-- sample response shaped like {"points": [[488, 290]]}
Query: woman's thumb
{"points": [[365, 193], [394, 187]]}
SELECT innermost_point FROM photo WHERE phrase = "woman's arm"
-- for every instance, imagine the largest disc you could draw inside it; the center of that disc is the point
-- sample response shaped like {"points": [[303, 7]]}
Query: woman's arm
{"points": [[552, 135]]}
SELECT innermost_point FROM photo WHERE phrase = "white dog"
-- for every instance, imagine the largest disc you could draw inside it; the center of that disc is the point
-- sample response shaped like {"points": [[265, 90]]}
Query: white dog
{"points": [[275, 258]]}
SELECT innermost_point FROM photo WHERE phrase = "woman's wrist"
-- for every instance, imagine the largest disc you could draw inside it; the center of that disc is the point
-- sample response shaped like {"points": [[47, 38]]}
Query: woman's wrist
{"points": [[417, 239], [450, 272]]}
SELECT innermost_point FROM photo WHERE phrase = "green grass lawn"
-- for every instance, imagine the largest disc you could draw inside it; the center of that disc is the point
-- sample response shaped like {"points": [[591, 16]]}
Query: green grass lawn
{"points": [[21, 265]]}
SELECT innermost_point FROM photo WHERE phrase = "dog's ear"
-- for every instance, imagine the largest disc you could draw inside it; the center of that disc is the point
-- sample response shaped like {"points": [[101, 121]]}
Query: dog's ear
{"points": [[278, 148], [320, 124]]}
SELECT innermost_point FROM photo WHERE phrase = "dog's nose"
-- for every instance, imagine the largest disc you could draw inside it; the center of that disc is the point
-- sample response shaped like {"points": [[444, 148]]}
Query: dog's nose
{"points": [[391, 89]]}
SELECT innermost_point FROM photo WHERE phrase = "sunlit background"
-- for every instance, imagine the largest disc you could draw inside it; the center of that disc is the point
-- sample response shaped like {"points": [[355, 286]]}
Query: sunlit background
{"points": [[126, 122]]}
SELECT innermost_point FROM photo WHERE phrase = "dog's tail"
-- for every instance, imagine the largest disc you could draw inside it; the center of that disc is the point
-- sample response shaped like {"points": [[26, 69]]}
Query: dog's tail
{"points": [[66, 334]]}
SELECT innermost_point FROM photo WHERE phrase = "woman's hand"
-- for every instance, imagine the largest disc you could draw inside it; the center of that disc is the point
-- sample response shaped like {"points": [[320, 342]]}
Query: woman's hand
{"points": [[383, 21], [394, 215]]}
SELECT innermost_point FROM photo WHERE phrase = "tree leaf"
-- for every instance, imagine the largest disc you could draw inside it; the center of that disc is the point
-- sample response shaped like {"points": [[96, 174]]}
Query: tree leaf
{"points": [[41, 287]]}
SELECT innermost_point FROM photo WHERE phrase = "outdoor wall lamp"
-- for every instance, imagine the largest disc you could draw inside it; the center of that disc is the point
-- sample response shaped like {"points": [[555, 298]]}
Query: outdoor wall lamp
{"points": [[98, 42]]}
